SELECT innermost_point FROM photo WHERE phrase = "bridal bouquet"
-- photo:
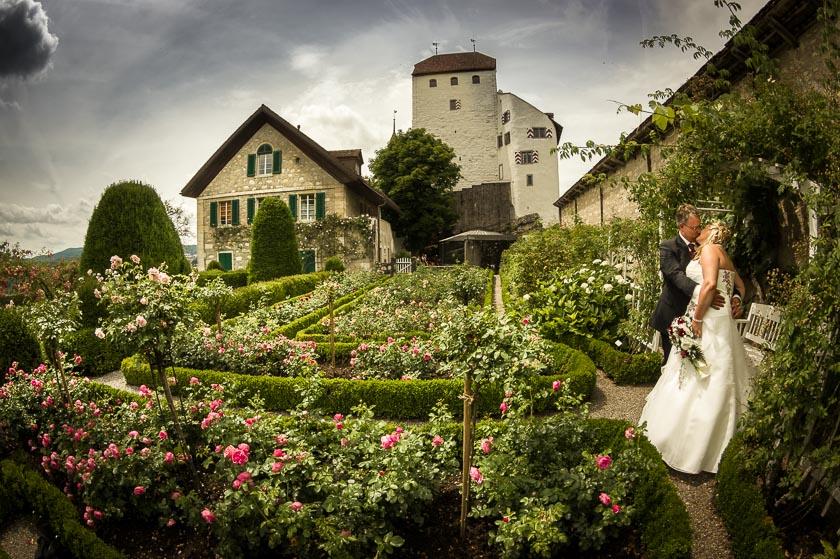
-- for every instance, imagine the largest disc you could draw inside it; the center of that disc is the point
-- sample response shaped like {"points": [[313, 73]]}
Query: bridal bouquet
{"points": [[688, 347]]}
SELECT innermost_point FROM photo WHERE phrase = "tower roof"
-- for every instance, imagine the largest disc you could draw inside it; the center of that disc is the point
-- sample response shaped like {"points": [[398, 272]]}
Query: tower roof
{"points": [[454, 62]]}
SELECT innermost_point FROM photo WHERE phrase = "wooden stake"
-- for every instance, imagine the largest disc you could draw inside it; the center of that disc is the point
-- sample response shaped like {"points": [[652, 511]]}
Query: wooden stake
{"points": [[466, 453]]}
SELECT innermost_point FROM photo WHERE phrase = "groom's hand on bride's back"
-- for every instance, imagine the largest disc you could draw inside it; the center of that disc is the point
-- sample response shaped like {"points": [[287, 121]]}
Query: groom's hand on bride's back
{"points": [[737, 310], [719, 300]]}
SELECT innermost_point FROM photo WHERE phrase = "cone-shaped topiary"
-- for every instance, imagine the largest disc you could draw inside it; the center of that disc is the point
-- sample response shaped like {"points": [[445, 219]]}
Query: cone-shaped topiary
{"points": [[130, 218], [274, 246]]}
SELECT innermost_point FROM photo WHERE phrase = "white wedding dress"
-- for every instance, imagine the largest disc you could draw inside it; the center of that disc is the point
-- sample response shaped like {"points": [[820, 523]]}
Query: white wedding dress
{"points": [[692, 424]]}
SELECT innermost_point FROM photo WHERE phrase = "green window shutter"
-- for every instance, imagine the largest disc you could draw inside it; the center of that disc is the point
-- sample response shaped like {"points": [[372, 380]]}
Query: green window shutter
{"points": [[234, 208], [320, 205], [214, 213], [277, 166], [293, 205], [251, 205], [252, 164]]}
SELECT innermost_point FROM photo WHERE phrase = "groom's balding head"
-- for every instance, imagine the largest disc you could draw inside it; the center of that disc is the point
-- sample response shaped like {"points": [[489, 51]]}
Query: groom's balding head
{"points": [[688, 222], [684, 212]]}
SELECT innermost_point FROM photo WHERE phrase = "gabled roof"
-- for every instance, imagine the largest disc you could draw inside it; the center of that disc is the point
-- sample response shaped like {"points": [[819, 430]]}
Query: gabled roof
{"points": [[304, 143], [454, 62], [779, 24], [355, 154]]}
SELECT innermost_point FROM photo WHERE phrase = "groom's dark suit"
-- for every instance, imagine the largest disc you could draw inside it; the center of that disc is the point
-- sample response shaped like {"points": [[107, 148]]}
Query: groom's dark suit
{"points": [[677, 288]]}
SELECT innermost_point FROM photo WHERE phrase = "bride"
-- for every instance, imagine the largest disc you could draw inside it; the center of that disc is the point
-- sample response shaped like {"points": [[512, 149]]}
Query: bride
{"points": [[691, 414]]}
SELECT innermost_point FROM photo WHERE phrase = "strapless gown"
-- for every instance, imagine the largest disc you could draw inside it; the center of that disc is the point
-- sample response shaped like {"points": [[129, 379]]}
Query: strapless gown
{"points": [[691, 422]]}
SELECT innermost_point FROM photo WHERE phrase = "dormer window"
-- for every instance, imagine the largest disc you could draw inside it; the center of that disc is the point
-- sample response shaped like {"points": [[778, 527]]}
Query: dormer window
{"points": [[453, 81], [476, 79], [432, 83], [264, 160]]}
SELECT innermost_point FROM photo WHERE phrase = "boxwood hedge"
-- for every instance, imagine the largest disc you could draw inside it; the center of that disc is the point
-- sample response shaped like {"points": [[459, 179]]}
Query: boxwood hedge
{"points": [[621, 367]]}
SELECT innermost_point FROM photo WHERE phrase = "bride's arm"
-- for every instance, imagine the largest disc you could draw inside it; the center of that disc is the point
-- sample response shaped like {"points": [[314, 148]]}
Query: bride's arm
{"points": [[710, 263]]}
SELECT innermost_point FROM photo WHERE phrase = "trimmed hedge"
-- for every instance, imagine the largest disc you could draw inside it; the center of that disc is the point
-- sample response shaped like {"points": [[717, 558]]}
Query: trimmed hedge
{"points": [[232, 278], [16, 343], [621, 367], [21, 488], [274, 291], [99, 357], [741, 506], [395, 399]]}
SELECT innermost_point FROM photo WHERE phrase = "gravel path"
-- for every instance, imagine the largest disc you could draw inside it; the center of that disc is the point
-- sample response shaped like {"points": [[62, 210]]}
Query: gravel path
{"points": [[19, 539], [117, 380], [497, 294], [710, 539]]}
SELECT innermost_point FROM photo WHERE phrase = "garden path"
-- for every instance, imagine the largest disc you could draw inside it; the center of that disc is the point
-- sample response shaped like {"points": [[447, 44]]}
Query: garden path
{"points": [[498, 304], [710, 539]]}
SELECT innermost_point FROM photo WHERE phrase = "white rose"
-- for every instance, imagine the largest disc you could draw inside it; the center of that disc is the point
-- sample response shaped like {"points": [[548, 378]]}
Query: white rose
{"points": [[628, 297], [591, 279], [597, 261], [584, 285], [526, 297], [608, 287], [588, 291]]}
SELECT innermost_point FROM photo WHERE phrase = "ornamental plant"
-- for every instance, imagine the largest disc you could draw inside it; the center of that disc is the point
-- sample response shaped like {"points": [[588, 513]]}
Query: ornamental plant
{"points": [[590, 301], [544, 495], [274, 245], [395, 359]]}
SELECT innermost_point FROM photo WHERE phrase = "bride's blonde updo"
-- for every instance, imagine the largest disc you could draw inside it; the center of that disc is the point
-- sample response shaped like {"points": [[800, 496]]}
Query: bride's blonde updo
{"points": [[719, 234]]}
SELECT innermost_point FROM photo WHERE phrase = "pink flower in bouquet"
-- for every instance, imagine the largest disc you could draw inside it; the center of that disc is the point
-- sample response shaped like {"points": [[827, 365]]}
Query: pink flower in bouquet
{"points": [[605, 499], [208, 516], [139, 490], [629, 433], [437, 441], [603, 461], [475, 475]]}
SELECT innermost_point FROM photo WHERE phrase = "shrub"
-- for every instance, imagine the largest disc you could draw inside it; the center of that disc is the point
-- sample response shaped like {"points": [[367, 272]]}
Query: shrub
{"points": [[741, 506], [130, 218], [99, 357], [274, 246], [334, 264], [621, 367], [232, 278], [16, 342], [213, 265]]}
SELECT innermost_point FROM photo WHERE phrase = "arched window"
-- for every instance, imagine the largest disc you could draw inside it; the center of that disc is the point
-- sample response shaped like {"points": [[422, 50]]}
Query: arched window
{"points": [[453, 81], [432, 83], [264, 160], [476, 79]]}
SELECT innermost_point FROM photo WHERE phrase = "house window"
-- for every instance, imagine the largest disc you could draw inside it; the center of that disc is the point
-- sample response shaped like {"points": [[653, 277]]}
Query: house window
{"points": [[501, 172], [529, 180], [505, 117], [539, 133], [507, 138], [264, 158], [526, 157], [476, 79], [499, 140], [453, 81], [432, 83], [226, 212], [454, 104], [307, 207]]}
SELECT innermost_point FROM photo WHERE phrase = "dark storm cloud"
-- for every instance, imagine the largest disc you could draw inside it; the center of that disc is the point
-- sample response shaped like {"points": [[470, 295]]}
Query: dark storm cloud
{"points": [[26, 44]]}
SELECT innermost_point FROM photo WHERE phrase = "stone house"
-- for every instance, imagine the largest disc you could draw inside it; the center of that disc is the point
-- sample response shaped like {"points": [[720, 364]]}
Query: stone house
{"points": [[502, 143], [788, 27], [267, 156]]}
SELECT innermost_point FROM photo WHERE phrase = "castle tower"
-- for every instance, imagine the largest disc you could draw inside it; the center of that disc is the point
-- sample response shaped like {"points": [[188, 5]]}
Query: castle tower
{"points": [[502, 142]]}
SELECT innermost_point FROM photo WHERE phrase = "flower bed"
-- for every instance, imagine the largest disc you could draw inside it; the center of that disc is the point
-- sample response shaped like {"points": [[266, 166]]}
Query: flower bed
{"points": [[398, 399]]}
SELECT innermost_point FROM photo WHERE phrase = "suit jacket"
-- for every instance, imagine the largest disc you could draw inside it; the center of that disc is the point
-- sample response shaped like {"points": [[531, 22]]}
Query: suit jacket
{"points": [[677, 288]]}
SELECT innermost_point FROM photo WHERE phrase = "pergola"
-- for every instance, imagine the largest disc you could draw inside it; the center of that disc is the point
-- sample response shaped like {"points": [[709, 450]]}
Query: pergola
{"points": [[482, 248]]}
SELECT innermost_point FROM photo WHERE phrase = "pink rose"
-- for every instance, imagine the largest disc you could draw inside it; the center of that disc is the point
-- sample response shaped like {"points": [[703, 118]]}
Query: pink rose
{"points": [[605, 499], [505, 519], [208, 516], [139, 490], [140, 320], [169, 458], [555, 386], [99, 333], [629, 433], [603, 461], [437, 441], [116, 262], [475, 475], [170, 523], [504, 407], [163, 435], [277, 466], [135, 258], [487, 445], [194, 381], [296, 506], [616, 509]]}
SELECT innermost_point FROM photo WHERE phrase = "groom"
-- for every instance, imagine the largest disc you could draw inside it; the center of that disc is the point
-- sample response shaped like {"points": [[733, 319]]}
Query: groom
{"points": [[677, 288]]}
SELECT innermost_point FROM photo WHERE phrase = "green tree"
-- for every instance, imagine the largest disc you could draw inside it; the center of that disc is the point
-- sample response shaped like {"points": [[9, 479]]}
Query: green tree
{"points": [[130, 218], [274, 245], [418, 172]]}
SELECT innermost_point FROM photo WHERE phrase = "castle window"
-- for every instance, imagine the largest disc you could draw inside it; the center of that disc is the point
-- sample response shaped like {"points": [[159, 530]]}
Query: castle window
{"points": [[538, 133], [529, 180], [476, 79], [505, 117], [454, 104], [526, 157], [499, 140], [507, 138], [264, 158], [453, 81], [432, 83]]}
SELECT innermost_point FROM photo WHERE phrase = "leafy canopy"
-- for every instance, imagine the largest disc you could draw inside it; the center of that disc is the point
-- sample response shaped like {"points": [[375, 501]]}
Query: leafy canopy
{"points": [[418, 172]]}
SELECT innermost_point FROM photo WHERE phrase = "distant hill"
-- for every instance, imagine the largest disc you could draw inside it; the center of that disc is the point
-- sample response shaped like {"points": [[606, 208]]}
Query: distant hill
{"points": [[76, 252]]}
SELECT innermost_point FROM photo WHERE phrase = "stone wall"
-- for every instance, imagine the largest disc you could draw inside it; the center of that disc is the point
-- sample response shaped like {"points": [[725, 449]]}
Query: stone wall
{"points": [[484, 206]]}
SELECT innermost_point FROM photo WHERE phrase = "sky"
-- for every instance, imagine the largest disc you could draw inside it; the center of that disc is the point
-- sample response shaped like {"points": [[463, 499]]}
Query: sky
{"points": [[97, 91]]}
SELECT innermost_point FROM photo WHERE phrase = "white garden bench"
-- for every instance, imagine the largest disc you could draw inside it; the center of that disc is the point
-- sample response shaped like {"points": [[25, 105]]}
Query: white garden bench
{"points": [[760, 330]]}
